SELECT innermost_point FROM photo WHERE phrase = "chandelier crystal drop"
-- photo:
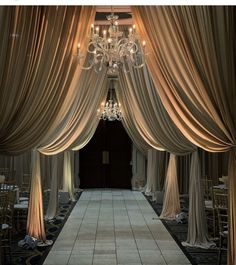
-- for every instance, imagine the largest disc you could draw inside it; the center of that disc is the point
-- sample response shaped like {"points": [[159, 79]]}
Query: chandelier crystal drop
{"points": [[113, 50], [110, 111]]}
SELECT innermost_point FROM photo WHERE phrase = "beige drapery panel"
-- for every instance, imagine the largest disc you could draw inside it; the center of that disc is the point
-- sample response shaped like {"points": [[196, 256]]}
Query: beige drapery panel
{"points": [[40, 72], [156, 172], [35, 223], [80, 123], [192, 63], [138, 180], [68, 174], [170, 209], [197, 233], [53, 200], [38, 64], [151, 171], [128, 123], [151, 119], [145, 110]]}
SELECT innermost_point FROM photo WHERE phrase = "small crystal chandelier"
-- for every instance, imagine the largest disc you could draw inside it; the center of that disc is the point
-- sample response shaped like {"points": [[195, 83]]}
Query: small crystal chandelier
{"points": [[113, 49], [110, 111]]}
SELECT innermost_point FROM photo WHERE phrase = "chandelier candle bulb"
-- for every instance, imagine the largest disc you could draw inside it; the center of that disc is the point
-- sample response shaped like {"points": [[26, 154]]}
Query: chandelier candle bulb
{"points": [[113, 49], [116, 24], [134, 27], [78, 49]]}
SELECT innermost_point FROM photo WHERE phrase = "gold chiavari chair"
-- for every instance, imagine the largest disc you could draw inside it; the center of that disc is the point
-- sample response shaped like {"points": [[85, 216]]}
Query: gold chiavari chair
{"points": [[7, 200], [221, 205], [207, 185]]}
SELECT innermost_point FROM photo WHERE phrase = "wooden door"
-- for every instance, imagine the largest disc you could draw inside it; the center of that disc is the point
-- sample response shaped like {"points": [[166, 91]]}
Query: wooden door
{"points": [[105, 160]]}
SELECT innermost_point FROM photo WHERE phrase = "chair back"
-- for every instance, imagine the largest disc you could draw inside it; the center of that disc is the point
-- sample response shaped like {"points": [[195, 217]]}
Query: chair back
{"points": [[3, 207], [207, 185], [221, 205]]}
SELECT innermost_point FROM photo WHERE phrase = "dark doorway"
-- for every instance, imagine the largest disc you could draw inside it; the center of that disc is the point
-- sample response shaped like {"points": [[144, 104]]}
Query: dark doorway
{"points": [[105, 160]]}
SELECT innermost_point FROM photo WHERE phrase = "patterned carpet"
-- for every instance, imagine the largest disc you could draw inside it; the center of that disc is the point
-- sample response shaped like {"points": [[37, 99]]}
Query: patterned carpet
{"points": [[197, 256], [21, 256]]}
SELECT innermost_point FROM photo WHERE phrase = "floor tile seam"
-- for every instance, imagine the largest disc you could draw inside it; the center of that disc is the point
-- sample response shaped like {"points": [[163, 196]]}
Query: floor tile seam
{"points": [[182, 252], [134, 236], [114, 229], [151, 231], [96, 230], [76, 235]]}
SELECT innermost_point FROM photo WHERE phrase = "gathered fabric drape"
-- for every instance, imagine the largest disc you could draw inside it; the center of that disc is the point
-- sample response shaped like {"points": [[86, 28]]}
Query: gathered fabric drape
{"points": [[192, 64], [38, 64], [147, 113], [171, 203], [35, 211], [53, 199], [150, 118], [138, 169], [68, 174], [41, 73], [79, 124], [197, 228], [156, 163]]}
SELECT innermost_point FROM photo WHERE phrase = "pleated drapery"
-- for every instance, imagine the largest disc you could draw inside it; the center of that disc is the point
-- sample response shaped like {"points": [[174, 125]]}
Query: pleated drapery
{"points": [[68, 178], [38, 63], [151, 121], [35, 221], [53, 200], [197, 232], [147, 113], [192, 64], [171, 203]]}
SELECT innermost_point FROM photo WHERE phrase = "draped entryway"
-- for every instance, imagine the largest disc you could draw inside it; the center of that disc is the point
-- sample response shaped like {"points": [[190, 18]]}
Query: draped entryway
{"points": [[182, 100], [105, 162]]}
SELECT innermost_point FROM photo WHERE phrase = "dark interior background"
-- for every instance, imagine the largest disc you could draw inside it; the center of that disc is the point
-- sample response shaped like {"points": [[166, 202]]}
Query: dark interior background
{"points": [[105, 160]]}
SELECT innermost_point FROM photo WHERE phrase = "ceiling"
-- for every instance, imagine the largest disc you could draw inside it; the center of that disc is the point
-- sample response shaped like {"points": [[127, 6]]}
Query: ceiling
{"points": [[124, 13]]}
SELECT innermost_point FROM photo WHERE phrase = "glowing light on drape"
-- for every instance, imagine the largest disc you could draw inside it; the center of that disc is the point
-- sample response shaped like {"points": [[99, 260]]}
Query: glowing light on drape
{"points": [[194, 74], [35, 222], [171, 203]]}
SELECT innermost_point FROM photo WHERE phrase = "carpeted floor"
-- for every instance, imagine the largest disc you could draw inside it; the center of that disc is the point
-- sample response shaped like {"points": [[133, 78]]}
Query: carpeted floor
{"points": [[21, 256], [197, 256]]}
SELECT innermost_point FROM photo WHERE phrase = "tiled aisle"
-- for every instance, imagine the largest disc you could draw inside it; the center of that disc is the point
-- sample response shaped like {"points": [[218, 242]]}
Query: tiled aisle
{"points": [[109, 227]]}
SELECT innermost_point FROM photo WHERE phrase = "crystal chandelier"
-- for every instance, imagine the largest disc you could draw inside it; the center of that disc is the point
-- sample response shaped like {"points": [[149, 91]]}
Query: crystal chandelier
{"points": [[113, 49], [111, 110]]}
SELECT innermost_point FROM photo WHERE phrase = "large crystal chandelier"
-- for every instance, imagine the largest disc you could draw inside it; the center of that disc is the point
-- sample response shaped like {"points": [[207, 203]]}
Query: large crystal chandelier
{"points": [[113, 49], [110, 111]]}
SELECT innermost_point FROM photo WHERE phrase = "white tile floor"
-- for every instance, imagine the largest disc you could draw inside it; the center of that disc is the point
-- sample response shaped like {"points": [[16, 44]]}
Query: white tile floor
{"points": [[117, 227]]}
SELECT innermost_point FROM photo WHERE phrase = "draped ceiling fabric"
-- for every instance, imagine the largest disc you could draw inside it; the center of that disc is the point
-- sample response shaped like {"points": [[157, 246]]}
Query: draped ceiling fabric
{"points": [[192, 63], [41, 73], [37, 62], [150, 119], [145, 110]]}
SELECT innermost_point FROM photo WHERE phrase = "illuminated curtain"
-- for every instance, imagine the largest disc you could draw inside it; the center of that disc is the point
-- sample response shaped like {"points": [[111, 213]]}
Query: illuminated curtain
{"points": [[152, 122], [171, 203], [40, 72], [192, 63]]}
